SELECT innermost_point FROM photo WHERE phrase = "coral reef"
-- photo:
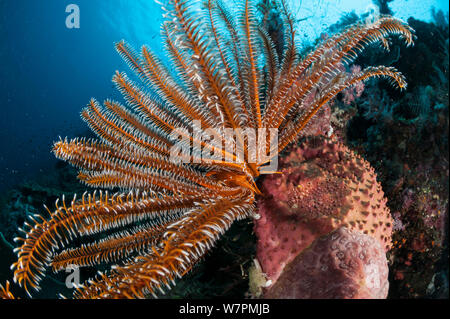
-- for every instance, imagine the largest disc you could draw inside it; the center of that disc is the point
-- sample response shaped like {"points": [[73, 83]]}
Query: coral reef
{"points": [[383, 6], [27, 198], [273, 23], [21, 203], [171, 209], [405, 137], [322, 186]]}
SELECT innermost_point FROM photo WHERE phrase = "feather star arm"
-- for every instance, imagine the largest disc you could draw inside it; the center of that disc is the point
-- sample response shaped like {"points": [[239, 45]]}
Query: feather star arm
{"points": [[185, 242], [92, 215]]}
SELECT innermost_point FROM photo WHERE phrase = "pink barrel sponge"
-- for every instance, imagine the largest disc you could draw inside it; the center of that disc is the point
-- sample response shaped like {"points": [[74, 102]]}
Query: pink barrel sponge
{"points": [[342, 264], [322, 186]]}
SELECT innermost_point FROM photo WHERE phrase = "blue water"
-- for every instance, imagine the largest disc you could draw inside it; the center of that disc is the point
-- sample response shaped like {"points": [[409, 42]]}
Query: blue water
{"points": [[49, 72]]}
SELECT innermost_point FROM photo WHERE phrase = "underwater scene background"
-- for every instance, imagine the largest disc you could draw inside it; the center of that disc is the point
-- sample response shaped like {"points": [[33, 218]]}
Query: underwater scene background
{"points": [[50, 72]]}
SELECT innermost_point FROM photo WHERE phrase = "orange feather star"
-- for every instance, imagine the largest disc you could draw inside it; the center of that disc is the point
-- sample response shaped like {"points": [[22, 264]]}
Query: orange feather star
{"points": [[167, 214]]}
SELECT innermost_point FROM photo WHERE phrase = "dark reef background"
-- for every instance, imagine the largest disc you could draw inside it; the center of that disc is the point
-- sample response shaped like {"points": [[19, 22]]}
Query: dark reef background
{"points": [[403, 134]]}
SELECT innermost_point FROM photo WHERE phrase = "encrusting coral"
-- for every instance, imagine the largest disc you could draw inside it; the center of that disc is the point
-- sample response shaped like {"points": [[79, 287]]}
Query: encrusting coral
{"points": [[167, 216]]}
